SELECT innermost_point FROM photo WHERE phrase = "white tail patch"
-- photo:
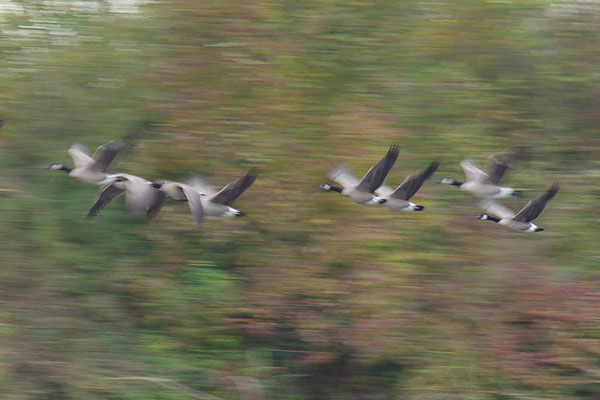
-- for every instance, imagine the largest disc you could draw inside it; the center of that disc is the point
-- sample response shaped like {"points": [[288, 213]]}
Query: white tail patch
{"points": [[532, 228], [231, 212]]}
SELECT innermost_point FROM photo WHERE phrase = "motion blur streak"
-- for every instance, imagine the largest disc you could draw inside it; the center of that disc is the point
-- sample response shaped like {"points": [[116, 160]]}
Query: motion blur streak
{"points": [[309, 295]]}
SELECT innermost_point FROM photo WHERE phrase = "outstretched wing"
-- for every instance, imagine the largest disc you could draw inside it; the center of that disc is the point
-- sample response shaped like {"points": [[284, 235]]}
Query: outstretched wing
{"points": [[384, 191], [201, 185], [375, 176], [233, 190], [490, 206], [413, 183], [80, 155], [106, 195], [193, 197], [106, 154], [472, 173], [497, 170], [534, 208], [155, 205], [343, 176]]}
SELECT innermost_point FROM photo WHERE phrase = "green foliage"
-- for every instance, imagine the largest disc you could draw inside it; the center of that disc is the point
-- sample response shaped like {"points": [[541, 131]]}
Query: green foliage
{"points": [[309, 295]]}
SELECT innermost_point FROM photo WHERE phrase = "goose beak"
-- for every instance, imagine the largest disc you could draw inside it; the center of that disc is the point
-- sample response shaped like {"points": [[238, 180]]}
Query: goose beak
{"points": [[239, 214]]}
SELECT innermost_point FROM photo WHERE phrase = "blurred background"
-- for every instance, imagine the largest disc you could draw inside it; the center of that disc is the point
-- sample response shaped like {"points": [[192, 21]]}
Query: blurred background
{"points": [[309, 296]]}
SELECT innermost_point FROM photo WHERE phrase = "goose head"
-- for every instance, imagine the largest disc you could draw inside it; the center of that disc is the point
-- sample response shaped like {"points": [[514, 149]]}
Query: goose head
{"points": [[482, 216], [327, 186], [447, 181], [57, 166]]}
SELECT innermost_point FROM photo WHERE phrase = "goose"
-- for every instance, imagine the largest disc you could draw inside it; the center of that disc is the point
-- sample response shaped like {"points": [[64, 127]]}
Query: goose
{"points": [[398, 200], [522, 221], [139, 193], [363, 191], [215, 203], [481, 184], [176, 191], [92, 170]]}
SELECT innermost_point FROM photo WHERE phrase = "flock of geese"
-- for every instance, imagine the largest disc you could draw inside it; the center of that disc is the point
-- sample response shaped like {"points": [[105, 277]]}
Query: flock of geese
{"points": [[371, 190], [142, 195]]}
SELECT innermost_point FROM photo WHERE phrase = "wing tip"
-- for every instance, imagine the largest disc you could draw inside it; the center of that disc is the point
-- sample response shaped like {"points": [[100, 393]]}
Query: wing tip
{"points": [[253, 172], [337, 170], [92, 213], [149, 216], [502, 159], [78, 146], [193, 176], [554, 188]]}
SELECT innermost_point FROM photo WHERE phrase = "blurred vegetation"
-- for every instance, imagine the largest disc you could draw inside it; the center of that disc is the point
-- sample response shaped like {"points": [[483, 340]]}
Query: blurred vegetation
{"points": [[309, 296]]}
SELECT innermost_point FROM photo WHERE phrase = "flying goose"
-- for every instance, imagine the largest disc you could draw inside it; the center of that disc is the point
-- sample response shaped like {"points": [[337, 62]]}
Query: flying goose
{"points": [[176, 191], [215, 203], [362, 191], [90, 169], [481, 184], [522, 221], [139, 193], [398, 200]]}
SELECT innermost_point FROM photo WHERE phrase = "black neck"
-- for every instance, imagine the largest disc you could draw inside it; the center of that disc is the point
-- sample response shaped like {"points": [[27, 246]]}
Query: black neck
{"points": [[67, 170], [493, 219], [336, 189], [457, 183]]}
